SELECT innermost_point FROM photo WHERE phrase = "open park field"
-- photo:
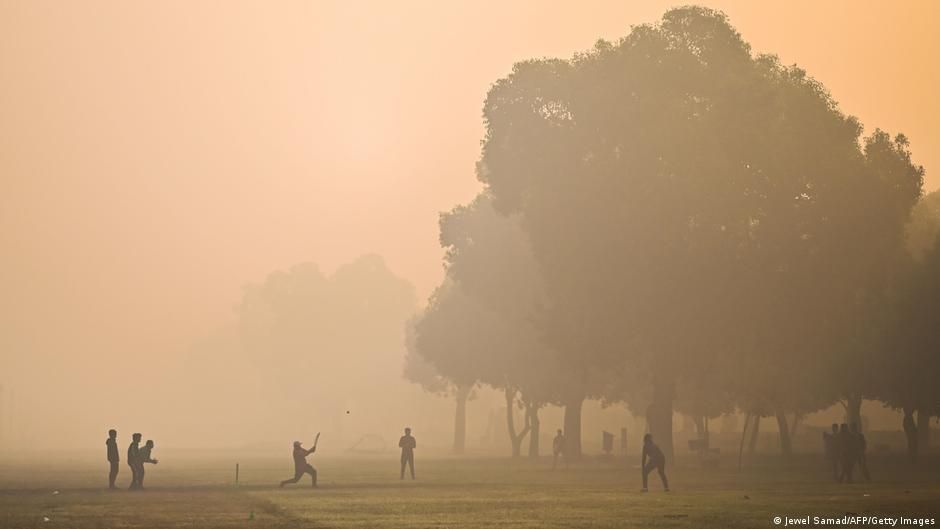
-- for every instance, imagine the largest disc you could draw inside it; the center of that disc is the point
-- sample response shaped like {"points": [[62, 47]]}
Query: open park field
{"points": [[457, 493]]}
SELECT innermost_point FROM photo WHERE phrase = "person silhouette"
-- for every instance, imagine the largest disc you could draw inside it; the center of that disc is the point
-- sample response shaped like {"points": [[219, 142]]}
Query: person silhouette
{"points": [[830, 446], [407, 444], [861, 445], [114, 458], [133, 454], [144, 457], [656, 460], [301, 466], [558, 449], [848, 453]]}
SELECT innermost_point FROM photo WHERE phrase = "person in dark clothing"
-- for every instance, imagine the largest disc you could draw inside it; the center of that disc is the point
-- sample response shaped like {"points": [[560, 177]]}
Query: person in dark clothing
{"points": [[301, 466], [133, 454], [860, 446], [558, 449], [848, 453], [830, 445], [114, 458], [407, 444], [144, 457], [653, 458]]}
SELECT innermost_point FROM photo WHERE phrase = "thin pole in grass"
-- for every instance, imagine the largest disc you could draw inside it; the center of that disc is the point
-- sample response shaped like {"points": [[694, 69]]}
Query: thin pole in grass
{"points": [[236, 474]]}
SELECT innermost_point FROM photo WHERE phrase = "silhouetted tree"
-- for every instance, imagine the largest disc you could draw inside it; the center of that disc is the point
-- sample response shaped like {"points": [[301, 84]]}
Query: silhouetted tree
{"points": [[489, 256], [455, 335], [924, 226], [420, 371], [684, 197], [911, 366]]}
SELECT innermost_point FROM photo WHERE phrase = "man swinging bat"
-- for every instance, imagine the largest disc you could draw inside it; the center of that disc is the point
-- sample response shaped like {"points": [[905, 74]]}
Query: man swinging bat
{"points": [[301, 466]]}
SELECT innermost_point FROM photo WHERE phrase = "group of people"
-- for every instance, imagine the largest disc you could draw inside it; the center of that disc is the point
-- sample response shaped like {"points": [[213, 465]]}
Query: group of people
{"points": [[136, 457], [407, 444], [845, 448], [651, 459]]}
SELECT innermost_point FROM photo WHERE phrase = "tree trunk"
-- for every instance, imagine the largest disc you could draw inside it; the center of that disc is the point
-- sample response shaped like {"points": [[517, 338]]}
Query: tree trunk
{"points": [[515, 438], [699, 422], [747, 419], [786, 448], [797, 420], [573, 427], [923, 429], [755, 435], [460, 419], [910, 433], [659, 413], [853, 410], [535, 424]]}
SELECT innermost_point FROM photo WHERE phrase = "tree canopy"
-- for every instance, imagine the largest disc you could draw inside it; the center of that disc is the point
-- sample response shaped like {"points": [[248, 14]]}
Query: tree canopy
{"points": [[688, 202]]}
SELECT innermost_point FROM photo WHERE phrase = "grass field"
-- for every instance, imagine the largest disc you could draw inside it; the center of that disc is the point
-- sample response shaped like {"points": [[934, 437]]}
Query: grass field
{"points": [[459, 493]]}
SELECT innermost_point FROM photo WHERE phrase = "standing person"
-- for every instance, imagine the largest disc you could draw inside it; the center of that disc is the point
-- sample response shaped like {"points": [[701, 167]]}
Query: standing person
{"points": [[860, 446], [133, 453], [558, 449], [657, 460], [144, 457], [301, 466], [830, 445], [407, 444], [114, 458], [847, 452]]}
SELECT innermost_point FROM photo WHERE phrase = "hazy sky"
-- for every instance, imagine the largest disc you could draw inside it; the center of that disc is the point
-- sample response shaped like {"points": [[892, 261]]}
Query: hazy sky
{"points": [[154, 157]]}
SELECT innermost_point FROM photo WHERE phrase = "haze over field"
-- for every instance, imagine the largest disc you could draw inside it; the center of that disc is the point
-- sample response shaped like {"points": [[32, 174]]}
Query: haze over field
{"points": [[166, 167]]}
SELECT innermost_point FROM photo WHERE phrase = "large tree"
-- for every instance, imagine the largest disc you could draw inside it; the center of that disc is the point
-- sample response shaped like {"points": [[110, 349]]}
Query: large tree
{"points": [[421, 372], [489, 255], [673, 183], [484, 314], [911, 339], [455, 336]]}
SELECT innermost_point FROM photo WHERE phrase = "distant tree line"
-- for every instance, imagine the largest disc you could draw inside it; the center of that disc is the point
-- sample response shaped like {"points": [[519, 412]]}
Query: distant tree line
{"points": [[678, 224]]}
